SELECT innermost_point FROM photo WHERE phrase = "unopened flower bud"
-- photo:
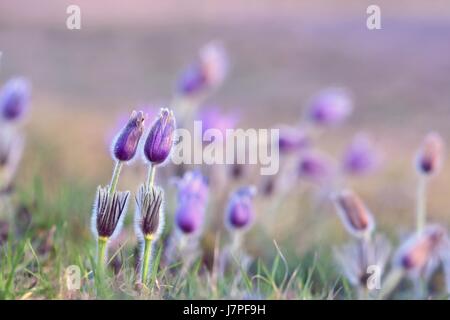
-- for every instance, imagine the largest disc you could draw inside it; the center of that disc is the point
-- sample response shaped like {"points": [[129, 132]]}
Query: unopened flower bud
{"points": [[160, 138], [14, 99], [149, 215], [127, 141], [430, 155]]}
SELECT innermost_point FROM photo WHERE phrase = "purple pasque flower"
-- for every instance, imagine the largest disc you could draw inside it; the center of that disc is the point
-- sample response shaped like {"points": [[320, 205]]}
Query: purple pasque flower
{"points": [[206, 73], [192, 202], [127, 141], [361, 156], [240, 212], [330, 107], [160, 138], [315, 167], [214, 118], [429, 157], [149, 215], [292, 139], [14, 99]]}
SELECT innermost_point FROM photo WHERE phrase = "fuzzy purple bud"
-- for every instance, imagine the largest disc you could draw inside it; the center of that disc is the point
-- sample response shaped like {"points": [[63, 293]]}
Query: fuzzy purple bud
{"points": [[315, 167], [14, 99], [292, 139], [330, 107], [361, 157], [160, 138], [149, 211], [127, 141], [429, 158], [193, 185], [240, 212]]}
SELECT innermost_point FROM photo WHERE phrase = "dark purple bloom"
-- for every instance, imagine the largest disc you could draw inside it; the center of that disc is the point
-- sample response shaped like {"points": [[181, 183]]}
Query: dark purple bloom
{"points": [[361, 156], [14, 99], [330, 107], [315, 167], [109, 212], [148, 214], [429, 158], [206, 73], [240, 212], [160, 138], [192, 201], [292, 139], [127, 141]]}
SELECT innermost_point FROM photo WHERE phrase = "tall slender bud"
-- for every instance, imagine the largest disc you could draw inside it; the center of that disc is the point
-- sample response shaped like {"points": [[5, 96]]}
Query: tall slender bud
{"points": [[126, 143], [160, 139], [14, 99], [429, 157]]}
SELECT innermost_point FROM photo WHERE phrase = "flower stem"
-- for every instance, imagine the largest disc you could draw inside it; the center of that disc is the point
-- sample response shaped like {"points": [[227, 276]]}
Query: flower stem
{"points": [[101, 254], [421, 204], [115, 177], [146, 258], [151, 176], [391, 282]]}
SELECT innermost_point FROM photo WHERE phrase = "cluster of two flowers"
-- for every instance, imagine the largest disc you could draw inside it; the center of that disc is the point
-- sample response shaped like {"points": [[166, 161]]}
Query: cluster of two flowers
{"points": [[111, 205]]}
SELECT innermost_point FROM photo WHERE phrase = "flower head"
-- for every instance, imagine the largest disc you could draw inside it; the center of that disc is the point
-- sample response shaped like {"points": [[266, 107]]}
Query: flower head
{"points": [[330, 107], [149, 218], [416, 252], [192, 201], [160, 138], [315, 167], [14, 99], [429, 158], [213, 118], [206, 73], [361, 157], [127, 141], [240, 213], [292, 139], [354, 214], [109, 212]]}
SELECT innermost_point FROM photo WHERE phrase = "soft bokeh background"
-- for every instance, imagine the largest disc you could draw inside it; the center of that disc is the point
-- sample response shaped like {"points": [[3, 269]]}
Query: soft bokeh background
{"points": [[282, 52]]}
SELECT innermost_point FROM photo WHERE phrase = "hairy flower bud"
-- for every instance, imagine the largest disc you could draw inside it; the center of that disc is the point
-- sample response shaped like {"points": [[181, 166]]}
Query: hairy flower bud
{"points": [[361, 157], [14, 99], [127, 141], [240, 212], [330, 107], [160, 138], [430, 155], [354, 214], [109, 212], [149, 215]]}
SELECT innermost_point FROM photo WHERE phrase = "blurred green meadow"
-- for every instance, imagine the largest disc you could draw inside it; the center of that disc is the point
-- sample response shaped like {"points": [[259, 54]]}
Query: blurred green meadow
{"points": [[281, 54]]}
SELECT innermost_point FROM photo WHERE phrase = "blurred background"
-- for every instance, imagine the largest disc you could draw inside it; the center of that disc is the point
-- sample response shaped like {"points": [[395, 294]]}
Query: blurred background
{"points": [[282, 52]]}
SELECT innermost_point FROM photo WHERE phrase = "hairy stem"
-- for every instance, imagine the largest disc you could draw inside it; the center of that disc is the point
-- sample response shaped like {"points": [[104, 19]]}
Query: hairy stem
{"points": [[115, 177], [146, 258], [101, 254], [392, 280], [421, 204], [151, 176]]}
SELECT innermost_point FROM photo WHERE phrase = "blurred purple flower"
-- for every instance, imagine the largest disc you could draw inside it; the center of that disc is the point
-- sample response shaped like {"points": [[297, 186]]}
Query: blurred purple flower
{"points": [[240, 213], [330, 107], [206, 73], [315, 167], [14, 99], [429, 157], [214, 118], [292, 139], [192, 201], [361, 156], [160, 138], [126, 143]]}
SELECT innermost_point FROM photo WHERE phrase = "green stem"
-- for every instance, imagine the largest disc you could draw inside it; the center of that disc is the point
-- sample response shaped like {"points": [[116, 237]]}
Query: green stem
{"points": [[115, 177], [101, 254], [151, 176], [421, 204], [146, 258]]}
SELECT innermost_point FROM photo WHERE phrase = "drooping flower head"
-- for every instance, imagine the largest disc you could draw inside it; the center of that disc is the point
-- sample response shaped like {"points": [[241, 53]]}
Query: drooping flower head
{"points": [[292, 139], [206, 73], [109, 212], [160, 139], [315, 167], [127, 141], [330, 107], [429, 157], [192, 202], [361, 156], [14, 99], [354, 214], [240, 212], [417, 251], [149, 217]]}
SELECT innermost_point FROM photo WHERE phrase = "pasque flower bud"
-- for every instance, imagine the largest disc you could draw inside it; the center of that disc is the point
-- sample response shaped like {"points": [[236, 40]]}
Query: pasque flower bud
{"points": [[430, 155], [109, 212], [354, 214], [127, 141], [149, 215], [160, 138], [14, 99], [240, 212], [330, 107]]}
